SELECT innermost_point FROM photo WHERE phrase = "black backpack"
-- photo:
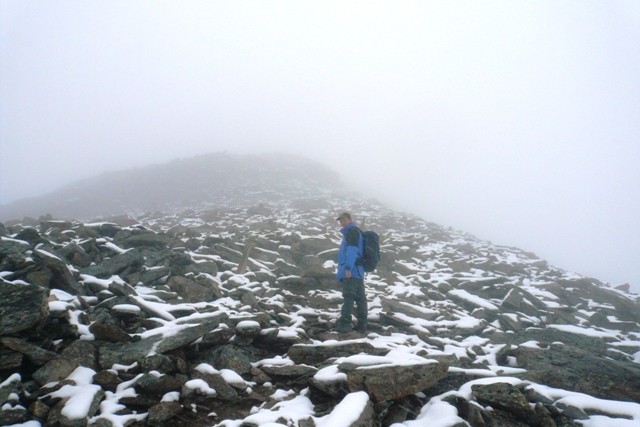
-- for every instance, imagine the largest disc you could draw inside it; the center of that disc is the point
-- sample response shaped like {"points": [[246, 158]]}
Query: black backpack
{"points": [[370, 250]]}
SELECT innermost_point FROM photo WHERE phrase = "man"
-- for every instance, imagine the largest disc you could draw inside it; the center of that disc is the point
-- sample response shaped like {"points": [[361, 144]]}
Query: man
{"points": [[351, 275]]}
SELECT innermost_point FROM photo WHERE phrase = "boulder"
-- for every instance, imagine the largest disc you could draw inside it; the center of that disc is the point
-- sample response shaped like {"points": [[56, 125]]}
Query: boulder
{"points": [[37, 355], [248, 329], [159, 240], [115, 265], [519, 300], [158, 362], [230, 357], [79, 353], [505, 397], [61, 277], [216, 382], [21, 306], [162, 412], [128, 353], [10, 359], [571, 368], [55, 417], [189, 290], [160, 385], [355, 410], [30, 235], [104, 328], [386, 382], [76, 255], [107, 379], [12, 415]]}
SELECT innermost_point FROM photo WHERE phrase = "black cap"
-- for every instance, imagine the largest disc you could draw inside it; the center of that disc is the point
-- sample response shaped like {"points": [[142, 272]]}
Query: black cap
{"points": [[346, 215]]}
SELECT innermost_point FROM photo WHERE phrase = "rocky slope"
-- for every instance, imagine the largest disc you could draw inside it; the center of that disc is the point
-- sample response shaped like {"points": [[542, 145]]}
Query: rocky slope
{"points": [[216, 179], [222, 317]]}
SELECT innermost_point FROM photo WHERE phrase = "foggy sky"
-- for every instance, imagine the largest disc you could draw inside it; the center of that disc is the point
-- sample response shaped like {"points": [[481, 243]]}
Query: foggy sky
{"points": [[518, 122]]}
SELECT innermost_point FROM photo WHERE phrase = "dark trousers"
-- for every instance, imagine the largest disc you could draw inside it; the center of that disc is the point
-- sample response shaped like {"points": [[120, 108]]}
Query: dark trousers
{"points": [[353, 291]]}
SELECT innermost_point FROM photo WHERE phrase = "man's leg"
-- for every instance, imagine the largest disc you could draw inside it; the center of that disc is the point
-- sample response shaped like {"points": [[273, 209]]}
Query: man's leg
{"points": [[349, 294], [362, 311]]}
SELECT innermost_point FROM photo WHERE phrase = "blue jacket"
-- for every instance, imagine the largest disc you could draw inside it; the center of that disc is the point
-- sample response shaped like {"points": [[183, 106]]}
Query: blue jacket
{"points": [[350, 252]]}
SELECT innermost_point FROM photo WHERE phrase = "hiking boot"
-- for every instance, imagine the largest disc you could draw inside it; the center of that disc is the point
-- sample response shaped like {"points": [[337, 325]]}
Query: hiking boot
{"points": [[342, 329], [361, 329]]}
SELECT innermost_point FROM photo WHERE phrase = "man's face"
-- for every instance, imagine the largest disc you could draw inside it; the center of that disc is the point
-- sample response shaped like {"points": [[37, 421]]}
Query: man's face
{"points": [[344, 222]]}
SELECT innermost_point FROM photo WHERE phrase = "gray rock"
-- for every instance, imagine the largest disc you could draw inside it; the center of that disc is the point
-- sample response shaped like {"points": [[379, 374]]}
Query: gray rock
{"points": [[508, 322], [39, 410], [571, 368], [13, 415], [159, 240], [216, 381], [132, 352], [505, 397], [162, 412], [115, 265], [30, 235], [15, 386], [13, 247], [36, 354], [101, 422], [21, 307], [106, 229], [79, 353], [230, 357], [61, 277], [545, 419], [121, 289], [384, 383], [336, 387], [217, 337], [313, 354], [572, 411], [399, 306], [290, 370], [107, 379], [160, 385], [520, 300], [10, 359], [158, 362], [203, 267], [249, 329], [76, 255], [152, 275], [55, 417], [104, 328], [189, 290], [365, 418]]}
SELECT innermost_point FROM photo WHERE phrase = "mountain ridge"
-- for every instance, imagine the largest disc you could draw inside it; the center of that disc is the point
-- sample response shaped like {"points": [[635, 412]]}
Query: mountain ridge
{"points": [[222, 316], [197, 182]]}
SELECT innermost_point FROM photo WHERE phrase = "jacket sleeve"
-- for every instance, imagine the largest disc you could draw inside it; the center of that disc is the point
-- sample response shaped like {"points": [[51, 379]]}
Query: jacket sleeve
{"points": [[353, 238]]}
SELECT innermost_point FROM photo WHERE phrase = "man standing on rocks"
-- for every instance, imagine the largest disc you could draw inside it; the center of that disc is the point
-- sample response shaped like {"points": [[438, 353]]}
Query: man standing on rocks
{"points": [[351, 275]]}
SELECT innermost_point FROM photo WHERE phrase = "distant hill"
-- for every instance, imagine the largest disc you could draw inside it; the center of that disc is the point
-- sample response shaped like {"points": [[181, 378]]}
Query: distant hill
{"points": [[199, 182]]}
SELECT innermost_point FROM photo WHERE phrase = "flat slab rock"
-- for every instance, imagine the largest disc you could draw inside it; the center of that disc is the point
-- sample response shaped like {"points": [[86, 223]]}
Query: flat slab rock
{"points": [[36, 354], [313, 354], [571, 368], [289, 370], [128, 353], [389, 382]]}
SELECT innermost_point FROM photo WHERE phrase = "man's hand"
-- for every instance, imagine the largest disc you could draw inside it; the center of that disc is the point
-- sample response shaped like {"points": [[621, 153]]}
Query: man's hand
{"points": [[347, 274]]}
